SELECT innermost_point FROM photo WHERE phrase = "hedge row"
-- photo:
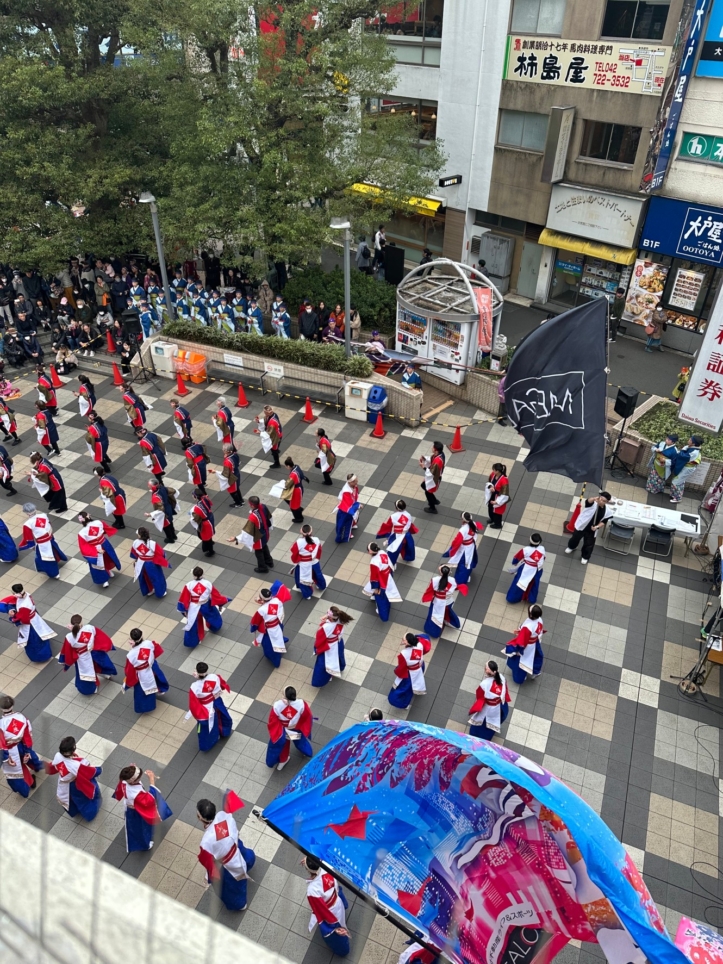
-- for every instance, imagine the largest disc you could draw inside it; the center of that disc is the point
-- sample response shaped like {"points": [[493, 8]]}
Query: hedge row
{"points": [[376, 301], [329, 358]]}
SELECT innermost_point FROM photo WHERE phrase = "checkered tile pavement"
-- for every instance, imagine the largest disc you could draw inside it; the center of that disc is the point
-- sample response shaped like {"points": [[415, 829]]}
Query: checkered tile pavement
{"points": [[605, 715]]}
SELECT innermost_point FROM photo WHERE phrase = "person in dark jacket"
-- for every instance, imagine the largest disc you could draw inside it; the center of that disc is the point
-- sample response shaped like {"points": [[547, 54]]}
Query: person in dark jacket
{"points": [[43, 317], [308, 323], [119, 291], [32, 348], [14, 351], [7, 297], [25, 324]]}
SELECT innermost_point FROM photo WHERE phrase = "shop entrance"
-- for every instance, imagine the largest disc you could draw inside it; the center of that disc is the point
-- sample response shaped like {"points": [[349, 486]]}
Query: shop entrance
{"points": [[529, 269]]}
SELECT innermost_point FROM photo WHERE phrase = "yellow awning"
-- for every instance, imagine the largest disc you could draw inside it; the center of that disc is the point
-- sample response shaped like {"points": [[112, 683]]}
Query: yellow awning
{"points": [[420, 205], [568, 242]]}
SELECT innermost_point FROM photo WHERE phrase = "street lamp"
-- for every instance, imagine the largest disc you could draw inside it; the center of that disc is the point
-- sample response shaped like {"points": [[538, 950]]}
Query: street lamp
{"points": [[342, 224], [147, 198]]}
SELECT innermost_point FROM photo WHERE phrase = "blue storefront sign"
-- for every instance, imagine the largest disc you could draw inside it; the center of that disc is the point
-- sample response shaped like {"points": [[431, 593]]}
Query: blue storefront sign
{"points": [[685, 48], [569, 267], [684, 230], [711, 53]]}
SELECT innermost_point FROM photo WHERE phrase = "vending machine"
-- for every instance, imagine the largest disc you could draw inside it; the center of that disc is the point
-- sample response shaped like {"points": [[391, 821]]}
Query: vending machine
{"points": [[451, 343]]}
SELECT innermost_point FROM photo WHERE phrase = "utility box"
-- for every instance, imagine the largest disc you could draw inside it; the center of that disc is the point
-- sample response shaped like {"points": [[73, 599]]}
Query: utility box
{"points": [[356, 397], [163, 353]]}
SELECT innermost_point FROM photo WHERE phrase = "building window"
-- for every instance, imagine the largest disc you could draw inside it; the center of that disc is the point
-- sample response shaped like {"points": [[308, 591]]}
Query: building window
{"points": [[487, 220], [613, 143], [415, 21], [538, 16], [422, 112], [637, 19], [415, 232], [522, 130]]}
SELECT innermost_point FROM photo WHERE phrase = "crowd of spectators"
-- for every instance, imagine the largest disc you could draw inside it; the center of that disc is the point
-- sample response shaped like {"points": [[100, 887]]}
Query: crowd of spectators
{"points": [[93, 296]]}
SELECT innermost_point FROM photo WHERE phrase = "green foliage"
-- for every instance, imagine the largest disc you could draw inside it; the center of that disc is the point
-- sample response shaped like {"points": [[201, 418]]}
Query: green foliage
{"points": [[246, 137], [328, 358], [375, 301], [663, 419]]}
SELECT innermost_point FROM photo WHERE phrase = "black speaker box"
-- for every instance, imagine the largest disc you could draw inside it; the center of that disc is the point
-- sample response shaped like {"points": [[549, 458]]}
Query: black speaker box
{"points": [[131, 323], [626, 401], [394, 264]]}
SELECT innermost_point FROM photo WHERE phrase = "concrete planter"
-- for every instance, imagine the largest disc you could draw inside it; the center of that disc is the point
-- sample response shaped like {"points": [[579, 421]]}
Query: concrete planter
{"points": [[479, 389], [404, 406], [646, 450]]}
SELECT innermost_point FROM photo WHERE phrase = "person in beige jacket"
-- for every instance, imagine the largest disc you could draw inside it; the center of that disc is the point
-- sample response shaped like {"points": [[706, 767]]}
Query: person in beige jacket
{"points": [[355, 324], [265, 297]]}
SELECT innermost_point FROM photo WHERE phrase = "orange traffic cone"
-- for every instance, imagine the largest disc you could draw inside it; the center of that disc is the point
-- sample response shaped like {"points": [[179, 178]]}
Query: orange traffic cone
{"points": [[55, 379], [456, 445], [117, 377], [309, 413], [181, 387], [242, 401], [379, 427], [111, 342]]}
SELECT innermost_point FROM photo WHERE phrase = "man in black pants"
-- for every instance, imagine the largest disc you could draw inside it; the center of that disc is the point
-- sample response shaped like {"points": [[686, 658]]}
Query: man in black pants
{"points": [[6, 472], [593, 516], [433, 466], [257, 532]]}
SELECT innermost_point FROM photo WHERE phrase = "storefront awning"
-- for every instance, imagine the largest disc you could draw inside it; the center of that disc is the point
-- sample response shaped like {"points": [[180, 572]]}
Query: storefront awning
{"points": [[568, 242], [420, 205]]}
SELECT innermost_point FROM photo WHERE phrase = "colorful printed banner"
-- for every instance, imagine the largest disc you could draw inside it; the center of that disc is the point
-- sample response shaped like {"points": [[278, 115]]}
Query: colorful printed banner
{"points": [[474, 847]]}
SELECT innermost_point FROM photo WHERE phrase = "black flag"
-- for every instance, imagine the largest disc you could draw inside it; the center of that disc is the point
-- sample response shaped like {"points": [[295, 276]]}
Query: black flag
{"points": [[555, 392]]}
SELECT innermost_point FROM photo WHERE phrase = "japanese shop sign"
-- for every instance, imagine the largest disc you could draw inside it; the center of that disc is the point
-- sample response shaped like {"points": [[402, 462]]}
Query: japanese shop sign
{"points": [[711, 53], [684, 231], [702, 403], [707, 148], [631, 68], [680, 69], [610, 218]]}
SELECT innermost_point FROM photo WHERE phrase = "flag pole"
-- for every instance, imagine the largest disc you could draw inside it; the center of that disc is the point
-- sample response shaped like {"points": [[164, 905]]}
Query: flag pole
{"points": [[607, 373]]}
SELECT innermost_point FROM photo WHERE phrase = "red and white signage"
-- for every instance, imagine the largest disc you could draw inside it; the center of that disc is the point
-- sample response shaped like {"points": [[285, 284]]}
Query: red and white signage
{"points": [[703, 400]]}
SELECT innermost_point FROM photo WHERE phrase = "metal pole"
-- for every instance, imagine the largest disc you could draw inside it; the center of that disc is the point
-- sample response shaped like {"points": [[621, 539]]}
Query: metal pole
{"points": [[347, 293], [162, 260]]}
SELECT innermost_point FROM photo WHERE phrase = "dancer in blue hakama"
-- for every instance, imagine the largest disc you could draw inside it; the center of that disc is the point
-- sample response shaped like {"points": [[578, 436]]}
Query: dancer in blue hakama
{"points": [[347, 510], [400, 530], [8, 549], [290, 721], [524, 652], [381, 586], [441, 594], [18, 759], [33, 631], [206, 706], [96, 548], [87, 648], [329, 646], [409, 671], [328, 907], [143, 673], [202, 604], [150, 561], [492, 705], [78, 791], [527, 566], [268, 622], [463, 551], [306, 556], [222, 854], [143, 808], [38, 531]]}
